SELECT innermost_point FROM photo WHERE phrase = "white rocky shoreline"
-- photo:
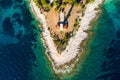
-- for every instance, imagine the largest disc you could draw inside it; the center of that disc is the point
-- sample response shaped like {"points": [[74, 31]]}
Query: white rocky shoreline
{"points": [[73, 48]]}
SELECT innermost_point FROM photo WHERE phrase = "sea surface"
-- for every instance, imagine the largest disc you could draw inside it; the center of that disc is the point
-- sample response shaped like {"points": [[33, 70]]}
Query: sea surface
{"points": [[22, 54]]}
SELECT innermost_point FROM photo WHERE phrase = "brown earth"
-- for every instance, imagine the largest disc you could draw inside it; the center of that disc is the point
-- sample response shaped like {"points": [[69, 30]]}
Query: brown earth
{"points": [[52, 18]]}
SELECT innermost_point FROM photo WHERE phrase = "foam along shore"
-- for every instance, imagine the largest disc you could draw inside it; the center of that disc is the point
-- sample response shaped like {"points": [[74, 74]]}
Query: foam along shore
{"points": [[73, 47]]}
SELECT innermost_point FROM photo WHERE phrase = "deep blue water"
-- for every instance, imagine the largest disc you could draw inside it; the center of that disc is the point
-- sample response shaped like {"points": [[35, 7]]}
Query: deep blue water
{"points": [[22, 53], [16, 37], [102, 60]]}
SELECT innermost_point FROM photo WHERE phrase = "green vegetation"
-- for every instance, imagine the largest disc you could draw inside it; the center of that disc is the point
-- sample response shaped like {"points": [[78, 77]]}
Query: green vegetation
{"points": [[69, 1], [43, 4], [91, 0], [59, 3], [61, 43], [87, 1], [76, 25]]}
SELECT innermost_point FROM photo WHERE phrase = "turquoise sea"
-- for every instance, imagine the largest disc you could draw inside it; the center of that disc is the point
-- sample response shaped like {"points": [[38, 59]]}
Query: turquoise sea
{"points": [[22, 54]]}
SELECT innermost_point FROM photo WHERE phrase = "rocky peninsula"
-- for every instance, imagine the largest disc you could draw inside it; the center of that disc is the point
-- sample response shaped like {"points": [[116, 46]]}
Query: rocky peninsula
{"points": [[65, 60]]}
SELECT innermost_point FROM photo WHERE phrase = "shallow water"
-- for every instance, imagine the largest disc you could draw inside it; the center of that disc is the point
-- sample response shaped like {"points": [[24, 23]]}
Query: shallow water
{"points": [[102, 50], [101, 59], [18, 41], [22, 52]]}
